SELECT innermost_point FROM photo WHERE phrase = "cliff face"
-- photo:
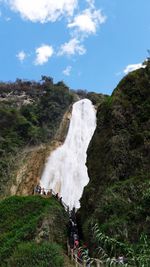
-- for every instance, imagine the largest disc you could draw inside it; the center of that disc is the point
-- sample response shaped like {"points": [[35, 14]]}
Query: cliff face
{"points": [[34, 119], [117, 195], [31, 162]]}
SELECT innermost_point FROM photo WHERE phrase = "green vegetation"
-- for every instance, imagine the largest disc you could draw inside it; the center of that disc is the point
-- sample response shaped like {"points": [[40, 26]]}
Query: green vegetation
{"points": [[117, 197], [96, 99], [29, 229], [109, 248], [30, 114], [31, 254], [114, 210]]}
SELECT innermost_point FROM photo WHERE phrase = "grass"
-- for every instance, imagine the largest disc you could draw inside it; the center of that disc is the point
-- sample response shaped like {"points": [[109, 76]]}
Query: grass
{"points": [[31, 254], [20, 219]]}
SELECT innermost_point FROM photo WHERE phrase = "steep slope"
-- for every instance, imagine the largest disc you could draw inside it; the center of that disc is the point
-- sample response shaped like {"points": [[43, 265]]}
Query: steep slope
{"points": [[32, 160], [118, 194], [30, 116], [34, 120], [32, 232]]}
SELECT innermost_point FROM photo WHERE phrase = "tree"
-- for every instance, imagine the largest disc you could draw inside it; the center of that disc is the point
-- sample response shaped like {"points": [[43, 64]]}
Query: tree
{"points": [[47, 79]]}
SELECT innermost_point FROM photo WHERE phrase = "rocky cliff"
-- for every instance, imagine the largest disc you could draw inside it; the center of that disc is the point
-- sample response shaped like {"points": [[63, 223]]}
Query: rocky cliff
{"points": [[34, 119], [32, 161], [118, 194]]}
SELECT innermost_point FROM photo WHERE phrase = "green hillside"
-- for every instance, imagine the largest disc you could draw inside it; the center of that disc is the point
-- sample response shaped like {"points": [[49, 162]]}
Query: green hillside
{"points": [[30, 114], [117, 197], [32, 232]]}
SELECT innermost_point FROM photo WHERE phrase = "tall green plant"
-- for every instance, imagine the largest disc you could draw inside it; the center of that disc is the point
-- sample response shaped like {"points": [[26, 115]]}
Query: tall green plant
{"points": [[108, 248]]}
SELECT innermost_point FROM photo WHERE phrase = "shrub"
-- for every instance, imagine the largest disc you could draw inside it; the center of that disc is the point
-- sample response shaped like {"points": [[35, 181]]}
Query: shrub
{"points": [[39, 255], [21, 217]]}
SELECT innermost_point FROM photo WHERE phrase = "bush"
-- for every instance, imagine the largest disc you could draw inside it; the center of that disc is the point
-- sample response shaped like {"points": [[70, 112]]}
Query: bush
{"points": [[39, 255], [21, 217]]}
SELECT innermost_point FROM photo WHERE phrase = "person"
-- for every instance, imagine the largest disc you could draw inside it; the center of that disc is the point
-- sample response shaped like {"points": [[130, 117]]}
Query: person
{"points": [[57, 196], [61, 201], [83, 255], [36, 189], [71, 242], [69, 227], [79, 254], [73, 214], [49, 194], [43, 192], [76, 244], [85, 252], [33, 191], [76, 240], [39, 189], [73, 226]]}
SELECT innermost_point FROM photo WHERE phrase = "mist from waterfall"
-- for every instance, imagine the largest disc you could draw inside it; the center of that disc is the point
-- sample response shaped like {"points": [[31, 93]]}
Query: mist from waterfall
{"points": [[65, 171]]}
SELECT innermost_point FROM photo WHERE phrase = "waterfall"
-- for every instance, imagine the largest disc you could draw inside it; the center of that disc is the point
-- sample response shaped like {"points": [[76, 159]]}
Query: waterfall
{"points": [[65, 171]]}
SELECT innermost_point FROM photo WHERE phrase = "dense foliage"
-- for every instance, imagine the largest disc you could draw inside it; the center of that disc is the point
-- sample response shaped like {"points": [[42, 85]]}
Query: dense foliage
{"points": [[31, 254], [117, 197], [30, 114], [96, 98], [21, 217]]}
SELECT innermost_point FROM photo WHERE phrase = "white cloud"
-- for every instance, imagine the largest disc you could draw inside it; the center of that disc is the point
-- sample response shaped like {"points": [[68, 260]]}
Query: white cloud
{"points": [[81, 23], [67, 70], [88, 21], [43, 10], [71, 48], [21, 56], [43, 53], [133, 67]]}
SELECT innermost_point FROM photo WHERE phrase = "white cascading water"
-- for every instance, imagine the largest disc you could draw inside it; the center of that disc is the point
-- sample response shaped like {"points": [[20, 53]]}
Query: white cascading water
{"points": [[65, 171]]}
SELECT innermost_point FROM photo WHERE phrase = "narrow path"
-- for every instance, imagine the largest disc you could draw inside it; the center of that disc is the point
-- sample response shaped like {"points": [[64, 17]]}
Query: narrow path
{"points": [[78, 255]]}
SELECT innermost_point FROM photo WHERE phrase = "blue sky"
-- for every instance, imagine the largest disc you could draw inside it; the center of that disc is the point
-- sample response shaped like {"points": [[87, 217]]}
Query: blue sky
{"points": [[88, 44]]}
